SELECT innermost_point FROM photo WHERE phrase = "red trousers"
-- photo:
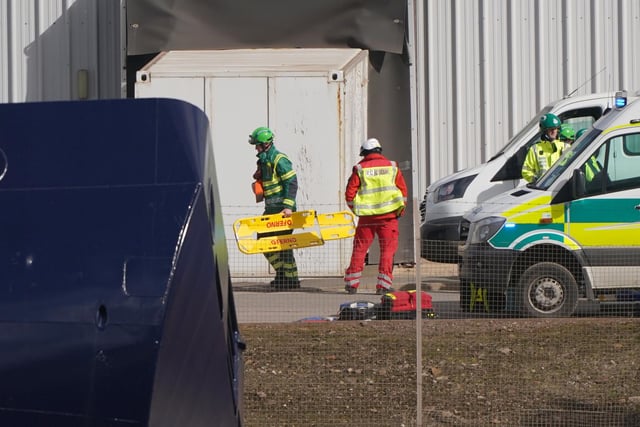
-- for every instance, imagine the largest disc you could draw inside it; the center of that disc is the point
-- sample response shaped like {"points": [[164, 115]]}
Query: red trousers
{"points": [[367, 229]]}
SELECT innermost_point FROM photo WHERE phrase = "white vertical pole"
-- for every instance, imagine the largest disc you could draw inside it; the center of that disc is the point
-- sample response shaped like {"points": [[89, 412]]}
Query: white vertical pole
{"points": [[415, 46], [418, 279]]}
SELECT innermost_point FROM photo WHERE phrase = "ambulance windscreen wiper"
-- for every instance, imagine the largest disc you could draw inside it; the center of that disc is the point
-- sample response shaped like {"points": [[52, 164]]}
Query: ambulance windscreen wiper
{"points": [[532, 185]]}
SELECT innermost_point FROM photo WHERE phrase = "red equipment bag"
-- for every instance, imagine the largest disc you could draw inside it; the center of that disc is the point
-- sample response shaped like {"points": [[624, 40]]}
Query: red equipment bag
{"points": [[402, 305]]}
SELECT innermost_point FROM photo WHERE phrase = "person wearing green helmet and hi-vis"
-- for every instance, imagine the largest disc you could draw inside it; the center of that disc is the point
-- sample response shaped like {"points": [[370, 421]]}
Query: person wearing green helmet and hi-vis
{"points": [[279, 188], [591, 168], [567, 134], [581, 132], [546, 151]]}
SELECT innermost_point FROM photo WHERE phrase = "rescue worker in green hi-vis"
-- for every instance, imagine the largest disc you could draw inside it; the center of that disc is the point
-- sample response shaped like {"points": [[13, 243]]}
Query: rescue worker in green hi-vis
{"points": [[279, 186], [545, 152], [567, 134], [580, 133], [591, 168]]}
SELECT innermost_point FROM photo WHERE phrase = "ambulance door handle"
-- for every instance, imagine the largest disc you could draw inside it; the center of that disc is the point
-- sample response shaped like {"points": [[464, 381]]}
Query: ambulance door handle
{"points": [[638, 207]]}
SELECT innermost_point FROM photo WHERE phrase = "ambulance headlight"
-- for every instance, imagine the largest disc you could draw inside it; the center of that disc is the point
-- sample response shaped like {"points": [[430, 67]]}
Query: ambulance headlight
{"points": [[483, 230], [452, 189]]}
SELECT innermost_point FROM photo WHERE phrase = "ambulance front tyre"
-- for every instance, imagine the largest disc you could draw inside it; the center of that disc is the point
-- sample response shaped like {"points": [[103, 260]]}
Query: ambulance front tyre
{"points": [[547, 289]]}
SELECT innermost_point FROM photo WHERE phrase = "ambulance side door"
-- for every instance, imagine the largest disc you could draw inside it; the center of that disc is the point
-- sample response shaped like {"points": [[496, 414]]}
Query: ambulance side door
{"points": [[605, 221]]}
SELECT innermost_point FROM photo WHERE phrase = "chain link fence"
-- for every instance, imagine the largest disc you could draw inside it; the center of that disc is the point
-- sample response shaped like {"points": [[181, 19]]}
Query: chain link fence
{"points": [[480, 357]]}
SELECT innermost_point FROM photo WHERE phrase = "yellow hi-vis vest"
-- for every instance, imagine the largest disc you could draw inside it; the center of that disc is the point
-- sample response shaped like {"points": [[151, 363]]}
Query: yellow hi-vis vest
{"points": [[591, 169], [378, 193], [540, 158]]}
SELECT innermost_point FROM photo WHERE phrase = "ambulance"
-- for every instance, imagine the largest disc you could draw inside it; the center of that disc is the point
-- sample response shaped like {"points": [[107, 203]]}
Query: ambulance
{"points": [[447, 199], [572, 235]]}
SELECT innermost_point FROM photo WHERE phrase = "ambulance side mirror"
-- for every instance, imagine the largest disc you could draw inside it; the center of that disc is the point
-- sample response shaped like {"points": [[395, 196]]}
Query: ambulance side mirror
{"points": [[578, 184]]}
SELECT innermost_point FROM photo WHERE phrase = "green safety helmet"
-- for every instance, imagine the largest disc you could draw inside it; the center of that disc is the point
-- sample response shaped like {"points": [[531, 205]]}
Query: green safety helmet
{"points": [[567, 133], [262, 135], [549, 121], [580, 132]]}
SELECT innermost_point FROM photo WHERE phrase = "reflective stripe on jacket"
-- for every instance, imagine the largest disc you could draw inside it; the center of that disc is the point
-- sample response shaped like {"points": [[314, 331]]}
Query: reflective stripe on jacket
{"points": [[378, 193], [540, 157], [279, 182], [591, 169]]}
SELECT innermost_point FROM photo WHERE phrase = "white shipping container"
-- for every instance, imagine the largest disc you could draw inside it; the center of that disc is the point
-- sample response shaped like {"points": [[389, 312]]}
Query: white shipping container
{"points": [[315, 100]]}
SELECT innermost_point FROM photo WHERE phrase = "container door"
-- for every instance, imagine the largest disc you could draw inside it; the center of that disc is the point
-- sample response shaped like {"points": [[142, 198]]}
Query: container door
{"points": [[305, 113], [236, 106]]}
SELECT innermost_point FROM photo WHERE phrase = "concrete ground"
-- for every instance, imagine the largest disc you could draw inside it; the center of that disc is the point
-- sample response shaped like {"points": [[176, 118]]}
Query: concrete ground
{"points": [[319, 298]]}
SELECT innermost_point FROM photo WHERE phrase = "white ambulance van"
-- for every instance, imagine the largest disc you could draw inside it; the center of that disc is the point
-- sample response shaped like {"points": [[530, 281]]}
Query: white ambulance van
{"points": [[447, 199], [574, 234]]}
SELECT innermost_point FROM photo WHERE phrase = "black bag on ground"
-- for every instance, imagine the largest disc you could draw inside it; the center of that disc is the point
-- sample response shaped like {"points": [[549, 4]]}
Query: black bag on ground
{"points": [[358, 310]]}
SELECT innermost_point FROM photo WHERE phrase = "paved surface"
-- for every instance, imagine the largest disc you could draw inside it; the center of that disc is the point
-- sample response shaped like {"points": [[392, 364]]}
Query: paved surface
{"points": [[320, 298]]}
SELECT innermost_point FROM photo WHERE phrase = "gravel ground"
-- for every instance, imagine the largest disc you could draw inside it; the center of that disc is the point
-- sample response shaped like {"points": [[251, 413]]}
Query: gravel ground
{"points": [[526, 372]]}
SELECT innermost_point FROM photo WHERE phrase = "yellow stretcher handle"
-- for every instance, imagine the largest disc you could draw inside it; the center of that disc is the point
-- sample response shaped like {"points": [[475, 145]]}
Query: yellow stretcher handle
{"points": [[279, 243], [330, 226], [272, 223]]}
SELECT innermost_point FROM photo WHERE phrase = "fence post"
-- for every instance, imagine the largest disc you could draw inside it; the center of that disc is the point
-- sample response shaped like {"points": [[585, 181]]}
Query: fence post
{"points": [[418, 280]]}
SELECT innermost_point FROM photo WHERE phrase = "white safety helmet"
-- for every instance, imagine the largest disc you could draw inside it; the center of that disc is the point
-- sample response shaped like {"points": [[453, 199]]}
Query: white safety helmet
{"points": [[370, 145]]}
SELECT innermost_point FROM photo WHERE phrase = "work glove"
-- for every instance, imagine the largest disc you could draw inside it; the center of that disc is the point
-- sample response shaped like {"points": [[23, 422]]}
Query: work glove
{"points": [[399, 212], [256, 186]]}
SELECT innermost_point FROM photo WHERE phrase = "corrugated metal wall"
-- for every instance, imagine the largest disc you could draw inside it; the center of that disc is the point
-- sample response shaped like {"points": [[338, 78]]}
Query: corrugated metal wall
{"points": [[492, 64], [48, 48]]}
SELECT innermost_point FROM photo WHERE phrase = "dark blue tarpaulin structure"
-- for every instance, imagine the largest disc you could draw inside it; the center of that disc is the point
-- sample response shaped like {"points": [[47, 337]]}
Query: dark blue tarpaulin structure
{"points": [[116, 306]]}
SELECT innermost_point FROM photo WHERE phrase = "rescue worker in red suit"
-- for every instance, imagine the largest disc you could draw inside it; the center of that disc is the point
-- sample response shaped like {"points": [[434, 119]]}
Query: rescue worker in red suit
{"points": [[377, 193]]}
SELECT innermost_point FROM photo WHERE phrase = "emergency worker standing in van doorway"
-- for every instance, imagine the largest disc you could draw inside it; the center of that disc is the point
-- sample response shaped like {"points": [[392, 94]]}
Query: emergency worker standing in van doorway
{"points": [[279, 186], [377, 193], [544, 153], [591, 168]]}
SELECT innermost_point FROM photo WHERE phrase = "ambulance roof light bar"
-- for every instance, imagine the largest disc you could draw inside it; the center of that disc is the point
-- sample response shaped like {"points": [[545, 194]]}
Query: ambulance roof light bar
{"points": [[620, 99]]}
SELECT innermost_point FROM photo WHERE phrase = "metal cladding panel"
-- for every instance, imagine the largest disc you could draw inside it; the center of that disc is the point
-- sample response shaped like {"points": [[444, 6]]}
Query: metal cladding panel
{"points": [[313, 99], [110, 266], [491, 66], [44, 45]]}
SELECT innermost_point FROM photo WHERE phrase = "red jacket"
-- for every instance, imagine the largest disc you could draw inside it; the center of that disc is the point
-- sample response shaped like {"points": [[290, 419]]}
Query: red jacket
{"points": [[372, 160]]}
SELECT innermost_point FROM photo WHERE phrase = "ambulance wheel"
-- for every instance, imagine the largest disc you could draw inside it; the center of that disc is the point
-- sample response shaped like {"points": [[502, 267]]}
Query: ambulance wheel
{"points": [[547, 289]]}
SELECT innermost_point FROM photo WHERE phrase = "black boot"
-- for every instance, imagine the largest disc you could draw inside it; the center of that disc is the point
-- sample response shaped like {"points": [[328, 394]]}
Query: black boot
{"points": [[281, 282], [278, 280]]}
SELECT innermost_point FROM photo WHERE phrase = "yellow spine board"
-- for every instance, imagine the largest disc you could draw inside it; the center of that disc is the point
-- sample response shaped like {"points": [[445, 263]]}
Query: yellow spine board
{"points": [[245, 227], [330, 226]]}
